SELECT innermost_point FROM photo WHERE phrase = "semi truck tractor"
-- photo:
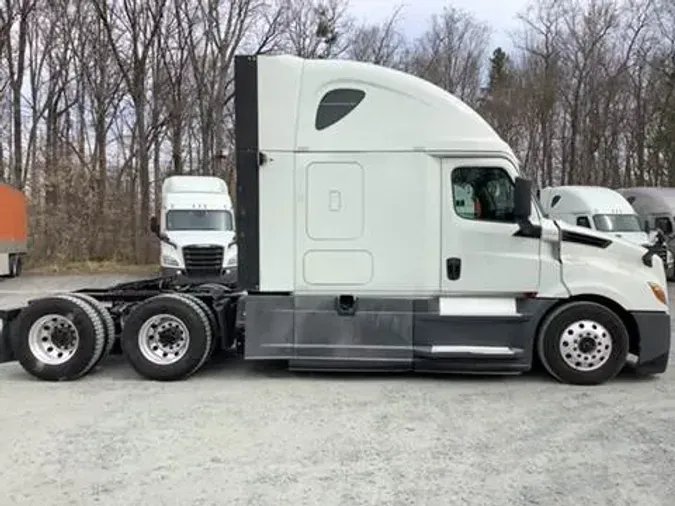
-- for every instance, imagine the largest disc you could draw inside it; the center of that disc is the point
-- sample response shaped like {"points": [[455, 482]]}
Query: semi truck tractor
{"points": [[382, 225], [605, 210], [196, 228], [13, 230]]}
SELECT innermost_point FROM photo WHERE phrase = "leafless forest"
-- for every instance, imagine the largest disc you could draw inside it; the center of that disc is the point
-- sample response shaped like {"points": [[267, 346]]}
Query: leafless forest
{"points": [[102, 98]]}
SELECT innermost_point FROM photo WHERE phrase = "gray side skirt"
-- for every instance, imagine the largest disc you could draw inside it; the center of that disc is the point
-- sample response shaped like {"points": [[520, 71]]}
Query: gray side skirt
{"points": [[357, 333]]}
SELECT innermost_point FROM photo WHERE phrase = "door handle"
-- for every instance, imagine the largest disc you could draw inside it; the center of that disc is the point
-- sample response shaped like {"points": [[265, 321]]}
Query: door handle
{"points": [[453, 268]]}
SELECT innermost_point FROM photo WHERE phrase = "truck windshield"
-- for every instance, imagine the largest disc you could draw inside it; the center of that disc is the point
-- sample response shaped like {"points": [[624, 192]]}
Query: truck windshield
{"points": [[617, 223], [198, 219]]}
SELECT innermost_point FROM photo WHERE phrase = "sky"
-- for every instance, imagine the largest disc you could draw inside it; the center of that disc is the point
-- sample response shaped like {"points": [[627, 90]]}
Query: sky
{"points": [[499, 14]]}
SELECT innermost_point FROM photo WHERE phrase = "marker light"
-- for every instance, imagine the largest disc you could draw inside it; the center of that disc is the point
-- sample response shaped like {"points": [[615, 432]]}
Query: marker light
{"points": [[659, 292]]}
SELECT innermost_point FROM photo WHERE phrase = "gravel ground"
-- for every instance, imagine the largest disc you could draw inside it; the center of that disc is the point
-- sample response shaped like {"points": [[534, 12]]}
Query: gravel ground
{"points": [[233, 435]]}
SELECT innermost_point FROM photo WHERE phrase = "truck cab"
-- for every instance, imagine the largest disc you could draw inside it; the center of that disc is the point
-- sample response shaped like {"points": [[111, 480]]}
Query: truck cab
{"points": [[196, 228], [330, 154], [601, 209]]}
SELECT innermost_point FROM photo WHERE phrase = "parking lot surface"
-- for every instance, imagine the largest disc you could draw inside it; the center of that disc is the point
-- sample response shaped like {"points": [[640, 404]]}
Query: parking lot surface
{"points": [[238, 435]]}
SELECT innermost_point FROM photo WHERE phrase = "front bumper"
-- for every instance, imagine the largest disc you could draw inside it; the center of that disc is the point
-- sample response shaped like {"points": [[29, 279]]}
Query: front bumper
{"points": [[227, 275], [654, 348]]}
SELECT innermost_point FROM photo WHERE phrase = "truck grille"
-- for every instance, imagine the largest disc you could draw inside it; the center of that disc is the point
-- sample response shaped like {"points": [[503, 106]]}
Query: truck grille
{"points": [[203, 260]]}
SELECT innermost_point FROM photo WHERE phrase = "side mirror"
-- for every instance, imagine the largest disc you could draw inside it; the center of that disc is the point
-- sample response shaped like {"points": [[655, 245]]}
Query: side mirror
{"points": [[154, 225], [522, 206], [648, 229]]}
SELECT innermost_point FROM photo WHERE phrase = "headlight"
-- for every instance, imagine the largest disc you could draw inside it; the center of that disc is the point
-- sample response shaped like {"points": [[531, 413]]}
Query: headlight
{"points": [[231, 256], [170, 261]]}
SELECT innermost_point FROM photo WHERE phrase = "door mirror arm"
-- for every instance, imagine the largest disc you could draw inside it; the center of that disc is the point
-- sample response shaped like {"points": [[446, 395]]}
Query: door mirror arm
{"points": [[522, 208]]}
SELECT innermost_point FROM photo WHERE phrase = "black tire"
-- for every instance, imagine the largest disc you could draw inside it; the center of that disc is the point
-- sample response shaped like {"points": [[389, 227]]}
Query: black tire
{"points": [[106, 320], [189, 314], [14, 266], [213, 321], [551, 338], [89, 329]]}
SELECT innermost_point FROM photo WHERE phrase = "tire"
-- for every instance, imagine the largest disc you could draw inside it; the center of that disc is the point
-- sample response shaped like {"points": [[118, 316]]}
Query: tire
{"points": [[564, 343], [213, 321], [33, 342], [18, 266], [106, 320], [15, 266], [188, 338]]}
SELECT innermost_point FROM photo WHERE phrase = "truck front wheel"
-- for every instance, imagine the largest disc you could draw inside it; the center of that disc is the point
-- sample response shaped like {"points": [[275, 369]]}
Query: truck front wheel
{"points": [[167, 338], [583, 343]]}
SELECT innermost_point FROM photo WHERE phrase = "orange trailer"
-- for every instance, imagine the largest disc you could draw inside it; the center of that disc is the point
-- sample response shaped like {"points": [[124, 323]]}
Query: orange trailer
{"points": [[13, 230]]}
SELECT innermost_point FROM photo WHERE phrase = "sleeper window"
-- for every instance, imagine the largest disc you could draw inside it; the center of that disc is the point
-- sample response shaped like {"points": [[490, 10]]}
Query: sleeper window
{"points": [[335, 105], [583, 221], [483, 193]]}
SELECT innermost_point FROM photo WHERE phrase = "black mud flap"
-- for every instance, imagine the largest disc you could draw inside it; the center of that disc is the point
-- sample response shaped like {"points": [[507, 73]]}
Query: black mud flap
{"points": [[7, 318]]}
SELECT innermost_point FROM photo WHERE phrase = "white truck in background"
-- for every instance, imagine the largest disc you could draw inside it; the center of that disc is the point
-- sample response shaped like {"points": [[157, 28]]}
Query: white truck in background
{"points": [[604, 210], [654, 205], [196, 228]]}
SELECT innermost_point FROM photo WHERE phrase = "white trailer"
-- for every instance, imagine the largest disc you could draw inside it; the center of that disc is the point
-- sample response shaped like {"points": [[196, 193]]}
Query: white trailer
{"points": [[601, 209], [382, 224], [196, 228]]}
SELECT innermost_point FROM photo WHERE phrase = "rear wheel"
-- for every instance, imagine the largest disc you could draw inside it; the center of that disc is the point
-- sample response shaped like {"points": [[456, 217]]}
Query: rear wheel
{"points": [[583, 343], [106, 321], [213, 322], [167, 337], [58, 338]]}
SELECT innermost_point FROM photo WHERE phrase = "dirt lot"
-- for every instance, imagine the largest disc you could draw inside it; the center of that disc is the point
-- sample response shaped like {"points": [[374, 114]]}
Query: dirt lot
{"points": [[233, 435]]}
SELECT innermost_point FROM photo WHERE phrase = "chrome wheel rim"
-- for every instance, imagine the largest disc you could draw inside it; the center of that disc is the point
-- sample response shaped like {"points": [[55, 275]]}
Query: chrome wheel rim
{"points": [[53, 339], [586, 345], [163, 339]]}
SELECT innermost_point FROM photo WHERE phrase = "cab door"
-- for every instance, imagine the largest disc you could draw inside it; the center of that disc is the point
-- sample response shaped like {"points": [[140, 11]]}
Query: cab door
{"points": [[483, 251]]}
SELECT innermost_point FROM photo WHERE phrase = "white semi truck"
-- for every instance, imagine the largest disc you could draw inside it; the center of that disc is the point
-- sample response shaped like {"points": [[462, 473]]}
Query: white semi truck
{"points": [[382, 224], [602, 209], [654, 205], [196, 228]]}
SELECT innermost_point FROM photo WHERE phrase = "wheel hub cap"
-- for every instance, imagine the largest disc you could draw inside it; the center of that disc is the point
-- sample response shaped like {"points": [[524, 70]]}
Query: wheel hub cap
{"points": [[53, 339], [163, 339], [585, 345]]}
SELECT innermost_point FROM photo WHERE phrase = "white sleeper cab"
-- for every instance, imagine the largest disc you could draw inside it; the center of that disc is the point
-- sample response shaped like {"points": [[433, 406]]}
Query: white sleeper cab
{"points": [[382, 224], [605, 210]]}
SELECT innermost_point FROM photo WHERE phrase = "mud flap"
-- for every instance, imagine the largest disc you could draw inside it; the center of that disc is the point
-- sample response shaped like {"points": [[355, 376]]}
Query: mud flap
{"points": [[6, 320]]}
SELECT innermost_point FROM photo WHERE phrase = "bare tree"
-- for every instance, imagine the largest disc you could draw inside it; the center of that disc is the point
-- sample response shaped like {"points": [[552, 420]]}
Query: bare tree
{"points": [[452, 53], [131, 30], [382, 44]]}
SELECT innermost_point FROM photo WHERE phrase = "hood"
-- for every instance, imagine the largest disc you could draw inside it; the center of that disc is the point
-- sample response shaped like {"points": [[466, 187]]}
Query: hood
{"points": [[587, 245], [188, 237], [634, 237], [594, 238]]}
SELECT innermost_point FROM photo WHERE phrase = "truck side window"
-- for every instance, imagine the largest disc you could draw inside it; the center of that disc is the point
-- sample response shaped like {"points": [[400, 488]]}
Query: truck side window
{"points": [[583, 221], [483, 193], [664, 224], [335, 105]]}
